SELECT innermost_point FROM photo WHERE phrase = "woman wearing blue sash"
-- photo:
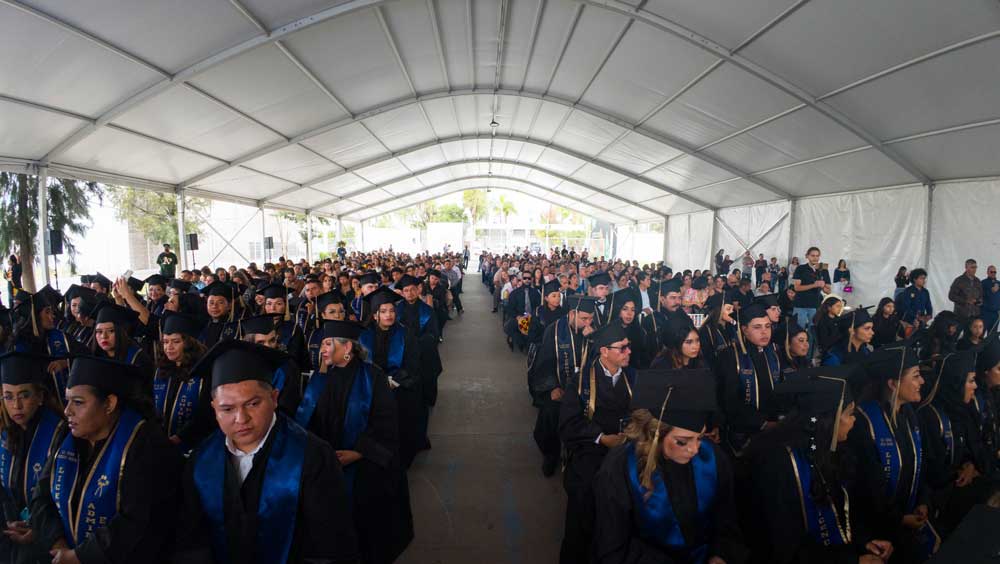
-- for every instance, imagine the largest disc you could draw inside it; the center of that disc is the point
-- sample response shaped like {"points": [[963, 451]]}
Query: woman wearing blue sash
{"points": [[390, 348], [113, 329], [331, 307], [793, 345], [802, 477], [956, 458], [857, 331], [34, 331], [260, 489], [30, 422], [288, 378], [109, 492], [348, 403], [890, 488], [290, 335], [667, 494], [182, 398]]}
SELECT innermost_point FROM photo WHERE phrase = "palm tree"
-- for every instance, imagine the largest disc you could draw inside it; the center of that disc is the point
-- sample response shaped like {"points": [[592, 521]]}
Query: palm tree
{"points": [[68, 213], [506, 207]]}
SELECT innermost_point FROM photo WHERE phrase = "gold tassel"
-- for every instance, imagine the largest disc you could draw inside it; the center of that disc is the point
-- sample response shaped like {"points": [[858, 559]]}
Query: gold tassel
{"points": [[34, 322], [899, 380], [647, 471]]}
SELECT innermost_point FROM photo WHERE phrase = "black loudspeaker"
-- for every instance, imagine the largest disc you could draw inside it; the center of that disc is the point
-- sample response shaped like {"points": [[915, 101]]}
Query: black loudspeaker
{"points": [[55, 242], [268, 243], [192, 241]]}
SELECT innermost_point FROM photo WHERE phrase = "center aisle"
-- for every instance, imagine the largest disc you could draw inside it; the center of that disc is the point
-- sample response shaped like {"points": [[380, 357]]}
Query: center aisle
{"points": [[479, 496]]}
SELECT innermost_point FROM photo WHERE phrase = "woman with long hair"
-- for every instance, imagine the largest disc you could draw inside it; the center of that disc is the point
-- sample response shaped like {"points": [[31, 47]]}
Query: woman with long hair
{"points": [[626, 312], [718, 329], [667, 495], [886, 323], [901, 280], [973, 335], [857, 330], [942, 337], [30, 421], [828, 333], [681, 345], [803, 476], [986, 399], [890, 492], [956, 459], [841, 277], [182, 399], [793, 342], [118, 469], [113, 327]]}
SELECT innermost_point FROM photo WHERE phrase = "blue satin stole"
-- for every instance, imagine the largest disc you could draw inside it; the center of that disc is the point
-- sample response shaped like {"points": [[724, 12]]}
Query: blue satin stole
{"points": [[38, 453], [177, 415], [100, 500], [657, 521], [748, 374], [821, 520], [279, 496], [397, 346]]}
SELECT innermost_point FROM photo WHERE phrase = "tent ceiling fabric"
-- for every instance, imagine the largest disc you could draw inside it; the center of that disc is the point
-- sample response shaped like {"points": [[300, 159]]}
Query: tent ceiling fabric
{"points": [[625, 110]]}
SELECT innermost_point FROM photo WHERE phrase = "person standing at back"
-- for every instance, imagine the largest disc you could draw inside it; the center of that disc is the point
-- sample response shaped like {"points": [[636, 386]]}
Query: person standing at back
{"points": [[966, 293], [809, 282], [167, 261], [991, 299]]}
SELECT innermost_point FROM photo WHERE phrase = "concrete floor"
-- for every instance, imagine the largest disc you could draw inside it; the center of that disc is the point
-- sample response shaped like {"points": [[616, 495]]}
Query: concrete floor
{"points": [[478, 495]]}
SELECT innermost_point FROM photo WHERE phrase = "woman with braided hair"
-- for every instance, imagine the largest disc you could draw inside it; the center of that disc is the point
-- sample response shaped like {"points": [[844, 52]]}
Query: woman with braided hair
{"points": [[666, 495]]}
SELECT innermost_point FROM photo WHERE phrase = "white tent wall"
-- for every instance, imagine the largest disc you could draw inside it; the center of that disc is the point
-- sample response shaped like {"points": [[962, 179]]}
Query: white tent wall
{"points": [[764, 228], [964, 225], [689, 240]]}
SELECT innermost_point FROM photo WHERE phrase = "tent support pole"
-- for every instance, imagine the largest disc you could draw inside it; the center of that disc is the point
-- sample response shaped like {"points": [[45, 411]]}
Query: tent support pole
{"points": [[666, 237], [791, 231], [309, 238], [362, 249], [263, 232], [339, 222], [43, 223], [930, 223], [181, 239], [712, 244]]}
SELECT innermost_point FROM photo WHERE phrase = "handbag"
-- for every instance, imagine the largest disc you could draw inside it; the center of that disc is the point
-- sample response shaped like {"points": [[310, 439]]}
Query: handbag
{"points": [[848, 288]]}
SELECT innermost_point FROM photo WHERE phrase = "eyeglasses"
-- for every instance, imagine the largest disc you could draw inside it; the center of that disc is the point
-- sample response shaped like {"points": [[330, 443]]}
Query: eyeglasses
{"points": [[622, 348]]}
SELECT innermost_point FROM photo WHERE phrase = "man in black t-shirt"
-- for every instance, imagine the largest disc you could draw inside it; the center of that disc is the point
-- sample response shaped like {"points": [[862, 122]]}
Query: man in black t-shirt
{"points": [[810, 284], [168, 262]]}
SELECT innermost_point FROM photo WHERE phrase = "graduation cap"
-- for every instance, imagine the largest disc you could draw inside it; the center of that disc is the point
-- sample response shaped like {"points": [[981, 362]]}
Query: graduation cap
{"points": [[107, 375], [787, 332], [599, 279], [174, 323], [676, 330], [890, 363], [699, 283], [102, 280], [408, 280], [975, 540], [586, 304], [682, 398], [766, 300], [668, 286], [342, 329], [716, 300], [219, 289], [17, 368], [551, 287], [854, 319], [327, 298], [751, 312], [382, 295], [109, 312], [989, 356], [157, 280], [608, 335], [372, 278], [434, 272], [180, 285], [273, 291], [952, 371], [135, 284], [233, 361], [258, 324], [821, 390], [86, 278]]}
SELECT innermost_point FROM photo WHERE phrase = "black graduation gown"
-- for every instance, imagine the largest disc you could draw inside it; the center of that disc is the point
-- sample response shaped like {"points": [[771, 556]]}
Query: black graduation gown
{"points": [[714, 342], [886, 330], [143, 528], [616, 537], [410, 406], [744, 420], [426, 340], [381, 494], [828, 334], [879, 516], [324, 530], [202, 422], [543, 377], [784, 538]]}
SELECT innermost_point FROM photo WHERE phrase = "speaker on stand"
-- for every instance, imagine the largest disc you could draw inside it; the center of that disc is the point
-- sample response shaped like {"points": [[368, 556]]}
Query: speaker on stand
{"points": [[55, 249], [268, 245], [192, 245]]}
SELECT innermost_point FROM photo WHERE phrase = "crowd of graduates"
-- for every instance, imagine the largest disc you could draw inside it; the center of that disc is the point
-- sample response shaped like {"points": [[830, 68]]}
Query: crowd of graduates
{"points": [[262, 415], [696, 419]]}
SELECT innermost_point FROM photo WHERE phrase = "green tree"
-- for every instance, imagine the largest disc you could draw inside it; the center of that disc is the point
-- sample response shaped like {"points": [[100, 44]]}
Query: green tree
{"points": [[505, 207], [449, 213], [474, 201], [154, 214], [68, 212]]}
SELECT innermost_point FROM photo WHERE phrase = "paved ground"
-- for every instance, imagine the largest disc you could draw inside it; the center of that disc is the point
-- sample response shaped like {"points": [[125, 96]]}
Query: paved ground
{"points": [[479, 496]]}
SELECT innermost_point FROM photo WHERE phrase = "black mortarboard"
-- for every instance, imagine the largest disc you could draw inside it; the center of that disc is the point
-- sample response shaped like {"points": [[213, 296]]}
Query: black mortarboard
{"points": [[17, 368], [974, 541], [107, 375], [599, 279], [434, 272], [273, 291], [586, 304], [180, 285], [326, 299], [109, 312], [817, 391], [551, 287], [676, 330], [408, 280], [182, 323], [47, 296], [218, 289], [86, 278], [608, 335], [259, 324], [854, 318], [370, 278], [989, 356], [952, 371], [699, 283], [157, 280], [672, 285], [77, 291], [715, 301], [890, 361], [766, 300], [135, 283], [234, 361], [102, 280], [680, 398], [382, 295], [751, 312], [341, 329]]}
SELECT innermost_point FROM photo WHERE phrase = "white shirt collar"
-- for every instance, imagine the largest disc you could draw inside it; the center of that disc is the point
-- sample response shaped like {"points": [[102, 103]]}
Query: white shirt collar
{"points": [[614, 377]]}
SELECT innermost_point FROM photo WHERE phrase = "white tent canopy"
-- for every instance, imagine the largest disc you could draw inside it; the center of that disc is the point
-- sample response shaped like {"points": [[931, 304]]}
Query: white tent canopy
{"points": [[626, 111]]}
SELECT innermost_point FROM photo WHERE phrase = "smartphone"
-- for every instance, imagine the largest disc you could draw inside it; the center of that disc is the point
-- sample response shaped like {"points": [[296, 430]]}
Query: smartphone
{"points": [[127, 274]]}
